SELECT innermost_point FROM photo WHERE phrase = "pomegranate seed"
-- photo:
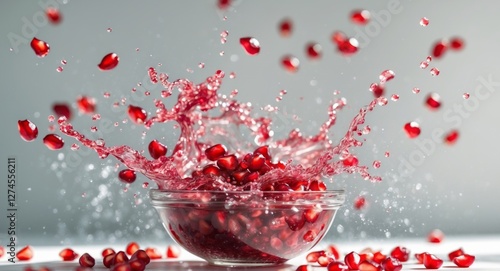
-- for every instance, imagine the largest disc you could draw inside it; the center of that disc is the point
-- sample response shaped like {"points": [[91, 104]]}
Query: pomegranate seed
{"points": [[86, 260], [431, 261], [215, 152], [439, 48], [108, 260], [325, 260], [174, 251], [313, 256], [412, 129], [338, 266], [433, 101], [391, 264], [400, 253], [311, 215], [361, 17], [120, 257], [420, 257], [86, 105], [348, 46], [465, 260], [62, 110], [377, 90], [309, 236], [68, 254], [109, 62], [350, 161], [256, 162], [424, 21], [229, 162], [53, 142], [352, 260], [156, 149], [285, 27], [107, 251], [136, 265], [122, 267], [304, 267], [264, 150], [251, 45], [40, 47], [290, 63], [27, 130], [142, 256], [313, 50], [127, 176], [26, 253], [137, 114], [153, 253], [359, 202], [386, 76], [223, 4], [451, 137], [211, 170], [456, 43], [367, 266], [295, 222], [317, 186], [378, 257], [455, 253], [435, 236], [131, 248], [333, 251], [53, 15]]}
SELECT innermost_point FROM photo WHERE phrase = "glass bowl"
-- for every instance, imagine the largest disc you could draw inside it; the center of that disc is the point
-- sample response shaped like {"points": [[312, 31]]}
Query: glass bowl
{"points": [[247, 228]]}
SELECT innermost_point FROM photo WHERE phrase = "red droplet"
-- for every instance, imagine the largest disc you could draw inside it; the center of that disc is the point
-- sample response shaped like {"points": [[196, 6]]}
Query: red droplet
{"points": [[465, 260], [68, 255], [455, 253], [348, 46], [53, 141], [25, 254], [424, 21], [314, 50], [86, 260], [127, 176], [173, 252], [360, 17], [285, 27], [433, 101], [156, 149], [86, 104], [456, 43], [40, 47], [137, 114], [439, 48], [451, 137], [412, 129], [223, 4], [109, 62], [251, 45], [435, 236], [62, 110], [352, 260], [53, 15], [432, 261], [377, 90], [290, 63], [359, 203], [402, 254], [386, 76], [27, 130], [350, 161]]}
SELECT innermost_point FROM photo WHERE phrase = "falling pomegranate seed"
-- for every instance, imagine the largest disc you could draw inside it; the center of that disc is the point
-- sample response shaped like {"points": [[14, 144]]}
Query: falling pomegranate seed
{"points": [[455, 253], [131, 248], [53, 141], [137, 114], [68, 254], [435, 236], [333, 251], [432, 261], [109, 62], [412, 129], [359, 202], [435, 71], [27, 130], [156, 149], [86, 104], [107, 251], [290, 63], [386, 76], [464, 260], [420, 257], [368, 266], [402, 254], [62, 110], [223, 4], [53, 15], [86, 260], [40, 47], [25, 254], [348, 46], [424, 21], [127, 176], [377, 90], [391, 264], [108, 260], [352, 260], [456, 43], [285, 27], [153, 253], [304, 267], [395, 97], [439, 48], [251, 45], [313, 50], [215, 152], [361, 17], [173, 251], [433, 101]]}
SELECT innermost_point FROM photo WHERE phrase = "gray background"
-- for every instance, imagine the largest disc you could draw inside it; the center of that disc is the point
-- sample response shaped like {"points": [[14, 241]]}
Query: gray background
{"points": [[454, 188]]}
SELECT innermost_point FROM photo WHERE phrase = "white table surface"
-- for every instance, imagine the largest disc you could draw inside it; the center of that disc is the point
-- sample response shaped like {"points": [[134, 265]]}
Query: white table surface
{"points": [[485, 248]]}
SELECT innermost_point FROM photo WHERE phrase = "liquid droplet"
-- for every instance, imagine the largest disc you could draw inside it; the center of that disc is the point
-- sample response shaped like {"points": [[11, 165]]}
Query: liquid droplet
{"points": [[348, 46], [106, 95], [201, 65], [223, 36], [456, 43], [59, 69], [53, 15], [360, 17], [64, 62], [412, 129], [376, 164], [359, 203], [27, 130], [313, 50], [232, 75], [53, 141], [416, 90], [290, 63], [451, 137], [109, 62], [439, 48], [424, 22], [75, 147], [223, 4], [109, 30], [434, 71], [395, 97], [466, 95], [51, 118], [377, 90], [62, 110], [433, 101], [387, 154], [251, 45], [40, 47], [285, 27], [86, 104], [386, 76]]}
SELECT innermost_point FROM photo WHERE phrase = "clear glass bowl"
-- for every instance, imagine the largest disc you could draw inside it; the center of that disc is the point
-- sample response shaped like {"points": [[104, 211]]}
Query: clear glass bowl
{"points": [[247, 228]]}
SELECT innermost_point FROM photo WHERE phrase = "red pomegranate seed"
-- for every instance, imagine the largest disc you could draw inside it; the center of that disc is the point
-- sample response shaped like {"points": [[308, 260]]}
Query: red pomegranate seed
{"points": [[333, 251], [127, 176], [256, 162], [439, 48], [435, 236], [359, 202], [122, 267], [264, 150], [431, 261], [309, 236], [325, 260], [348, 46], [338, 266], [62, 110], [131, 248], [465, 260], [311, 215], [314, 50], [285, 27], [290, 63], [391, 264], [456, 43], [304, 267], [378, 257], [173, 251], [451, 137], [86, 104], [229, 162], [153, 253], [367, 266], [350, 161], [455, 253], [136, 265], [433, 101], [53, 15], [27, 130], [360, 17], [53, 141], [25, 254], [352, 260], [68, 254], [142, 256], [107, 251], [420, 257], [317, 186], [377, 90], [412, 129], [86, 260], [215, 152], [40, 47], [313, 256], [223, 4], [137, 114], [120, 257], [386, 76], [156, 149], [109, 62], [400, 253], [424, 21], [108, 260], [251, 45], [211, 170]]}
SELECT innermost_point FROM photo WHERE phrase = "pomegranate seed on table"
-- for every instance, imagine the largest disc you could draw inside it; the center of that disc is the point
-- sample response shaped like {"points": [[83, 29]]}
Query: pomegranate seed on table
{"points": [[107, 251], [435, 236], [391, 264], [432, 261], [153, 253], [333, 251], [68, 254], [25, 254], [420, 257], [313, 256], [142, 256], [324, 260], [352, 260], [86, 260], [368, 266], [131, 248], [400, 253], [455, 253], [136, 265], [173, 251], [120, 257], [337, 266], [464, 260], [122, 267], [378, 257]]}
